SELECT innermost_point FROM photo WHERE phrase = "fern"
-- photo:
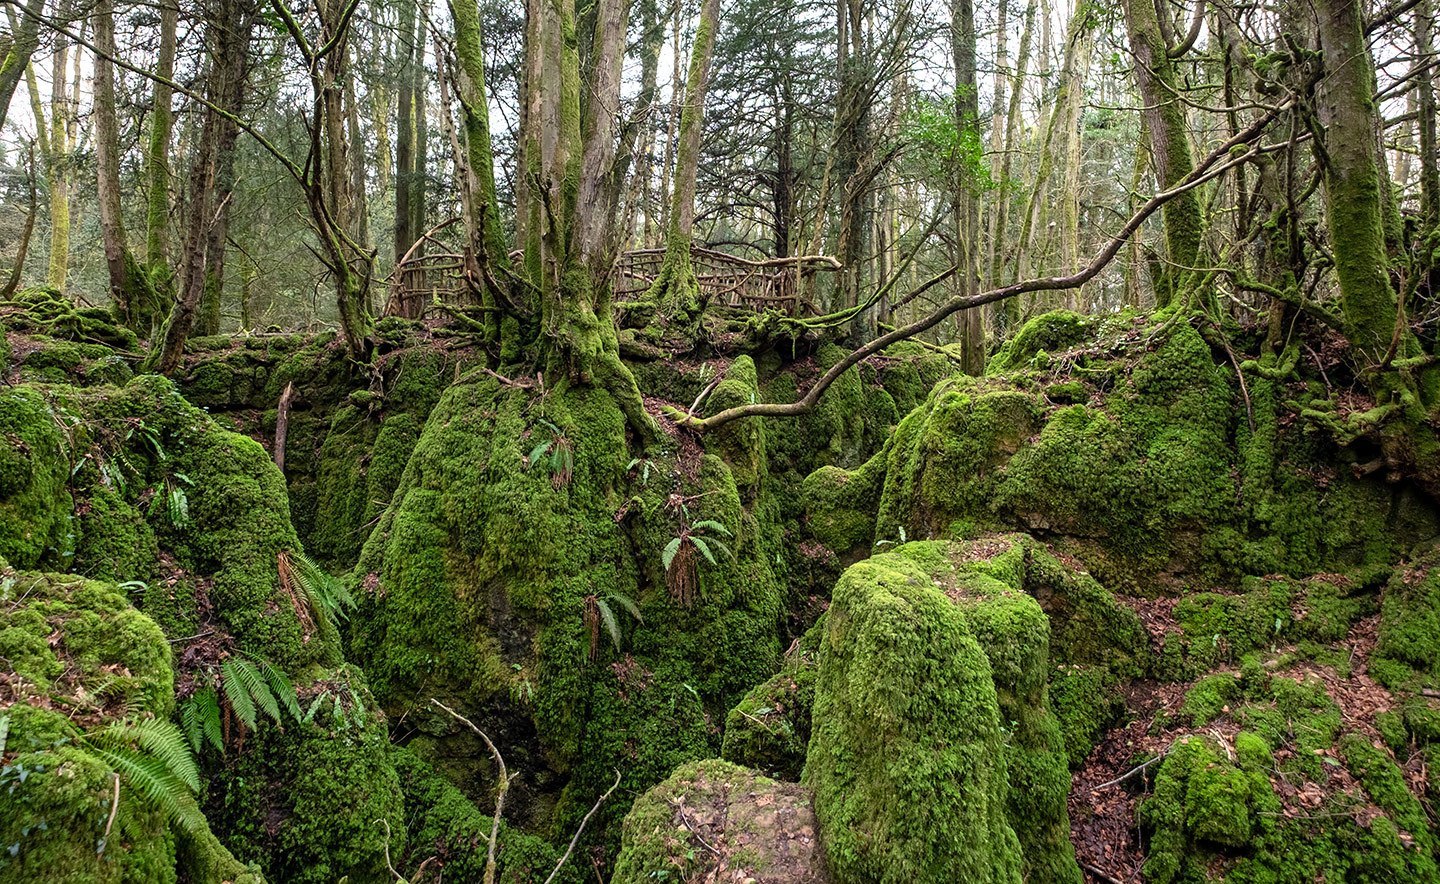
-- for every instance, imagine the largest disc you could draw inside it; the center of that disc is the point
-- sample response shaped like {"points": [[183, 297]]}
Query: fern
{"points": [[281, 688], [671, 548], [236, 695], [712, 526], [612, 625], [153, 757], [200, 719], [327, 597], [157, 784], [157, 738]]}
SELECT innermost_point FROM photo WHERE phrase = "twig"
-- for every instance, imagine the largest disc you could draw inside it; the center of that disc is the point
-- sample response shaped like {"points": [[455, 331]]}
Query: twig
{"points": [[701, 838], [114, 809], [1128, 774], [499, 792], [1103, 876], [575, 840], [703, 393], [398, 877], [509, 382]]}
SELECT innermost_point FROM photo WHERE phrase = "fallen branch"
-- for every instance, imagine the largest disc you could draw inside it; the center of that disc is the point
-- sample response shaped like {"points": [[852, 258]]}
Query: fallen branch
{"points": [[576, 839], [389, 865], [282, 424], [1212, 166], [499, 792]]}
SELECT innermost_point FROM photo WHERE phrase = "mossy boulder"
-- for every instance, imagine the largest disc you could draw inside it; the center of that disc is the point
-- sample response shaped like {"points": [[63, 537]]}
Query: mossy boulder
{"points": [[448, 835], [80, 669], [319, 801], [769, 730], [516, 514], [907, 756], [35, 504], [1152, 467], [711, 818]]}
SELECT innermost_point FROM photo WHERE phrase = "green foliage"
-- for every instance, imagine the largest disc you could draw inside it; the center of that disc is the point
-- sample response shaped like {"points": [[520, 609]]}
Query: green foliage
{"points": [[943, 146]]}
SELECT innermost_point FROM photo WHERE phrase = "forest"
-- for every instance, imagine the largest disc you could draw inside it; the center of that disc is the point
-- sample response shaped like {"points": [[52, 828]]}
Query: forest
{"points": [[719, 441]]}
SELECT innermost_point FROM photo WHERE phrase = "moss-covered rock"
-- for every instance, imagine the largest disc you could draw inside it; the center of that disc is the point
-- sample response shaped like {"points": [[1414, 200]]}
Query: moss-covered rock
{"points": [[907, 757], [83, 676], [477, 581], [713, 817], [35, 505], [311, 803], [769, 730], [449, 835]]}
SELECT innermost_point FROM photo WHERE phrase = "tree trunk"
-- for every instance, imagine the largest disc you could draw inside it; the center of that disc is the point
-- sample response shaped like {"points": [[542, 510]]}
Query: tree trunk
{"points": [[1164, 118], [675, 289], [127, 283], [966, 187], [228, 33], [24, 40], [1354, 209], [406, 48], [157, 175]]}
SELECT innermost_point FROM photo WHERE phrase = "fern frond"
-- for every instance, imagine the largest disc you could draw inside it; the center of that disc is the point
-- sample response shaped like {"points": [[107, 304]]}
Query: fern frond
{"points": [[157, 785], [671, 548], [281, 688], [315, 706], [628, 604], [237, 694], [156, 738], [704, 548], [259, 691], [712, 526], [612, 625], [328, 597], [538, 452], [200, 720], [720, 544]]}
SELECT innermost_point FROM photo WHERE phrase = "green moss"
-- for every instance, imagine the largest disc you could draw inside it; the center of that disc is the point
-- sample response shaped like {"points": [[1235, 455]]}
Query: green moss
{"points": [[81, 645], [1014, 634], [53, 821], [1410, 623], [907, 746], [1209, 698], [474, 584], [769, 729], [330, 780], [447, 831], [1203, 802], [116, 543], [1086, 703], [35, 505], [1048, 332]]}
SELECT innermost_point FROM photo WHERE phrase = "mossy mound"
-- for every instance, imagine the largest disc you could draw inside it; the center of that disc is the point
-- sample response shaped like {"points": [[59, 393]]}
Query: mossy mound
{"points": [[320, 801], [712, 818], [1216, 807], [769, 730], [193, 520], [79, 646], [907, 758], [519, 513], [35, 504], [449, 835], [83, 676], [1163, 472]]}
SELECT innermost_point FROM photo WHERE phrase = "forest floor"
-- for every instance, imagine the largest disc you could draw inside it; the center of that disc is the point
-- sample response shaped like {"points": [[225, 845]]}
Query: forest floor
{"points": [[1108, 789]]}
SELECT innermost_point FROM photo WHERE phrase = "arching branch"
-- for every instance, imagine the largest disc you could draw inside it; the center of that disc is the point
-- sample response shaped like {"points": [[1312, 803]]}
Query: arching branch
{"points": [[1217, 163]]}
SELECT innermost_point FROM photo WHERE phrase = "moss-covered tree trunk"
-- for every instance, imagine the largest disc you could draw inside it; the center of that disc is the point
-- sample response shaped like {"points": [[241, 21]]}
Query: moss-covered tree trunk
{"points": [[675, 292], [130, 292], [1354, 209], [157, 176], [24, 39], [1164, 117]]}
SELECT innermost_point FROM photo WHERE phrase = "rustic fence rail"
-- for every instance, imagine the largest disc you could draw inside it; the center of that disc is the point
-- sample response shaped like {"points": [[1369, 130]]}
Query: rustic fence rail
{"points": [[420, 280]]}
